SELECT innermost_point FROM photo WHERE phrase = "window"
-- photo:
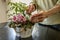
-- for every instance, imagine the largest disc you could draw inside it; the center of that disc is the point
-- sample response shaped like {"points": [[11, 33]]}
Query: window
{"points": [[24, 1]]}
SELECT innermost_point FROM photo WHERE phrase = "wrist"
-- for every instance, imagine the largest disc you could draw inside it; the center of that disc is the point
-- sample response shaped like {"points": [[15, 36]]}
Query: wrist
{"points": [[47, 14], [58, 6], [54, 10]]}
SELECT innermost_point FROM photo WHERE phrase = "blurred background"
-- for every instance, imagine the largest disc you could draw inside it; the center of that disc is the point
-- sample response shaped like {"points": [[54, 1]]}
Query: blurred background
{"points": [[4, 7]]}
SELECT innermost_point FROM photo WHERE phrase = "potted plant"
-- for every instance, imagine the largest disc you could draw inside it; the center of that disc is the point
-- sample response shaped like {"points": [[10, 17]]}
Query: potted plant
{"points": [[20, 20]]}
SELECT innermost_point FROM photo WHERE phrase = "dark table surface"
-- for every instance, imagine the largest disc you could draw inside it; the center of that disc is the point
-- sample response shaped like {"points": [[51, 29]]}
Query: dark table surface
{"points": [[5, 35], [19, 38]]}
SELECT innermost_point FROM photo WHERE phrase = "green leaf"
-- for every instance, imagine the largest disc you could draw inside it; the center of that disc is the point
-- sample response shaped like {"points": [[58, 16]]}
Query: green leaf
{"points": [[16, 10], [18, 7]]}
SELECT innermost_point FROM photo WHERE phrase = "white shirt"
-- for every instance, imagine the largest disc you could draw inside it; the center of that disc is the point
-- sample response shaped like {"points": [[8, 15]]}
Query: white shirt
{"points": [[46, 5]]}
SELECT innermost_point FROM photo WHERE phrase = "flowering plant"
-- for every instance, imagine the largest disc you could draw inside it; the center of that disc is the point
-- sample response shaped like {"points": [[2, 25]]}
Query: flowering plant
{"points": [[19, 18]]}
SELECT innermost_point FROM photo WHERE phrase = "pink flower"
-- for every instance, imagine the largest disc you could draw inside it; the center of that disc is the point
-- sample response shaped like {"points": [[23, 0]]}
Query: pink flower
{"points": [[19, 19], [14, 19]]}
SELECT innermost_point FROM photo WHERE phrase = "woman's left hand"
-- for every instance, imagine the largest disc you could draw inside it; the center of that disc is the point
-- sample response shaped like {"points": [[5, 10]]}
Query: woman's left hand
{"points": [[39, 17]]}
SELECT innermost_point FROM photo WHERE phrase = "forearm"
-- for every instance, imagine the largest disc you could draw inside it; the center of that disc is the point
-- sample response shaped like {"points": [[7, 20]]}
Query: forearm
{"points": [[54, 10]]}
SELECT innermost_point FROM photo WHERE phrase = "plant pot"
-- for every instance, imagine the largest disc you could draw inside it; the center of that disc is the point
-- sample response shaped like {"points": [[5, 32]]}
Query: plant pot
{"points": [[24, 34]]}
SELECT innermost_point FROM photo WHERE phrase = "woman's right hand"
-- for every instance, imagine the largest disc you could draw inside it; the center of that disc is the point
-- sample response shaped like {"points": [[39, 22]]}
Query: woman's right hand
{"points": [[30, 8]]}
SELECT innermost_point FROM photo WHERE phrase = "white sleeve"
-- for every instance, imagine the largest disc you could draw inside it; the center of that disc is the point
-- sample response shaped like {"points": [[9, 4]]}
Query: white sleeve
{"points": [[58, 2]]}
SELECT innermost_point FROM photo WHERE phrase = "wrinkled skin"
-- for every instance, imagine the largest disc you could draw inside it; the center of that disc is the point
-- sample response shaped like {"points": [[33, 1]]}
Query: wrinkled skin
{"points": [[30, 9], [39, 17]]}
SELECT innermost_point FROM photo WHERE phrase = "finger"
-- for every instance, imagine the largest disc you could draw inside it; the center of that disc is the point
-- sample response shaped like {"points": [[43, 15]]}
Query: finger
{"points": [[40, 17], [39, 14], [37, 19], [30, 9], [40, 20], [34, 21], [34, 16]]}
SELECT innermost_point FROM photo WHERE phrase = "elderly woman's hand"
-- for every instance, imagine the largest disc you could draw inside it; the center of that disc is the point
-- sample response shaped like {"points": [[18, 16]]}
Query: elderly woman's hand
{"points": [[39, 17], [30, 9]]}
